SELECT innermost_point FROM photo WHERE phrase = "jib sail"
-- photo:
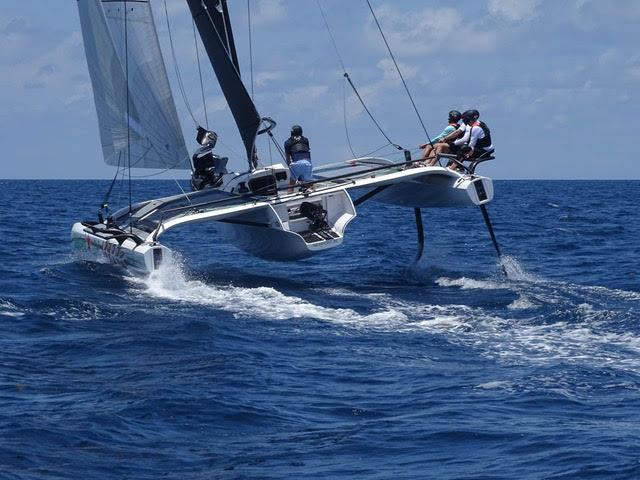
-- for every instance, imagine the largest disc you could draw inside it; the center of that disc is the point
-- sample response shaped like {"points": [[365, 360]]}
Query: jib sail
{"points": [[154, 135]]}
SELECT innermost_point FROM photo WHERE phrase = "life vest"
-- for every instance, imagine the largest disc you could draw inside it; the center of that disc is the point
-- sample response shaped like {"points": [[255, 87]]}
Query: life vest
{"points": [[482, 142], [299, 144]]}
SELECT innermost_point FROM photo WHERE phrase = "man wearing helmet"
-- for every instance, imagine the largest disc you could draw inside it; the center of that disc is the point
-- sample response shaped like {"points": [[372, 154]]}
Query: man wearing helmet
{"points": [[298, 156], [476, 139], [437, 142]]}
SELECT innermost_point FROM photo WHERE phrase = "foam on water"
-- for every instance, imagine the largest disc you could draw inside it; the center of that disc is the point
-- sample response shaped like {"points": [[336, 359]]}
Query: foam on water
{"points": [[8, 309], [587, 335], [583, 333], [469, 283], [515, 270], [170, 282], [521, 303]]}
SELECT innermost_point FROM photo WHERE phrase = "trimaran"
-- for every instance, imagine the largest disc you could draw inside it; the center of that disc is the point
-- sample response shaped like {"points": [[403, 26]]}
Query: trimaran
{"points": [[256, 210]]}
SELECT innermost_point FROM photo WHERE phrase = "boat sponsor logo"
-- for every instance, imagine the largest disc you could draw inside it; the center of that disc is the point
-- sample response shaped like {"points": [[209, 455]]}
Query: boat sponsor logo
{"points": [[114, 253], [79, 243]]}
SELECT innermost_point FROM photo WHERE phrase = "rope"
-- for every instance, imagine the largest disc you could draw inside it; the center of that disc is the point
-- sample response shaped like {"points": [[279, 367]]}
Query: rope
{"points": [[177, 69], [204, 103], [399, 72], [346, 76]]}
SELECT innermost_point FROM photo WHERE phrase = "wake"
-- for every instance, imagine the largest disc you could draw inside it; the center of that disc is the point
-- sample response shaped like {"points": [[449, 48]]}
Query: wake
{"points": [[549, 322], [171, 283]]}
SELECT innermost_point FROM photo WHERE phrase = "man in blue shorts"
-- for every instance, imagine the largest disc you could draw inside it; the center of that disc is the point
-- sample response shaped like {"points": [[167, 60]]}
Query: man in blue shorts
{"points": [[298, 156]]}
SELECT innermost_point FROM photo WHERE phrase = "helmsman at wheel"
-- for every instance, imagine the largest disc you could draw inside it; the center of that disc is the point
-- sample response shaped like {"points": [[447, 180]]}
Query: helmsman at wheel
{"points": [[298, 156]]}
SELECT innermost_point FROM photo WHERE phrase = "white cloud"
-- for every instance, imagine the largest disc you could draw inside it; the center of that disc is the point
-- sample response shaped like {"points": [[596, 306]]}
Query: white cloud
{"points": [[264, 78], [513, 10], [390, 74], [429, 30], [303, 95], [590, 15], [268, 12], [609, 56], [47, 79], [634, 72]]}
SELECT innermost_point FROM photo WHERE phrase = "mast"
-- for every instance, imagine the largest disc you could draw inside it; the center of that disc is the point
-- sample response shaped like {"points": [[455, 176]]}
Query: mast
{"points": [[212, 19]]}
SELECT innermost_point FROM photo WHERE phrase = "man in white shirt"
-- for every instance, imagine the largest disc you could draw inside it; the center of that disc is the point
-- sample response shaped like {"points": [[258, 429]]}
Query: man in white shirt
{"points": [[475, 141], [476, 134]]}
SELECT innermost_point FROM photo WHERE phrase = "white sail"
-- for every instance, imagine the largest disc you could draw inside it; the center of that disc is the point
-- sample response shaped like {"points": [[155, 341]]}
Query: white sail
{"points": [[154, 133]]}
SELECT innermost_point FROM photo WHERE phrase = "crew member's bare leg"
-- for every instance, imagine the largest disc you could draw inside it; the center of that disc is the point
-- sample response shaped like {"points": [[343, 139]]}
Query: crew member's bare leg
{"points": [[438, 149]]}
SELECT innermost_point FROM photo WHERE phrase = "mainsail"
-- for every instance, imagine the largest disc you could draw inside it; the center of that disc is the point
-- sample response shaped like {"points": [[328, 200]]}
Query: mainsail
{"points": [[212, 20], [152, 129]]}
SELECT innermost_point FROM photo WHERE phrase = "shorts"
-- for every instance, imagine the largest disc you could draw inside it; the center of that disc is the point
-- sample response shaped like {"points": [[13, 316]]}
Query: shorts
{"points": [[453, 148], [301, 170]]}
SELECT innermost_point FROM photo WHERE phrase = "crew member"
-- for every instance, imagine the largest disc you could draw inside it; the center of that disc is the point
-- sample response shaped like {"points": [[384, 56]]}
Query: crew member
{"points": [[475, 142], [437, 144], [298, 156]]}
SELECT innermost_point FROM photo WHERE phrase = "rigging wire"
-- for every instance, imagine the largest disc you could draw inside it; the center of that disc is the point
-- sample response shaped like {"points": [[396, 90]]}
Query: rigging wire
{"points": [[277, 145], [204, 102], [177, 69], [173, 176], [399, 72], [348, 78], [344, 117], [105, 200], [250, 45], [126, 68]]}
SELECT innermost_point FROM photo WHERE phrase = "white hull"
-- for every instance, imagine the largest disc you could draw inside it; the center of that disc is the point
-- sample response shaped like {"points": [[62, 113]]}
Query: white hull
{"points": [[139, 259], [438, 189]]}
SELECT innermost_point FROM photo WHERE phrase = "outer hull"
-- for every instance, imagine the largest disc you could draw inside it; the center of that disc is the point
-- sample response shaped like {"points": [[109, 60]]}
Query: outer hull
{"points": [[139, 259], [438, 190]]}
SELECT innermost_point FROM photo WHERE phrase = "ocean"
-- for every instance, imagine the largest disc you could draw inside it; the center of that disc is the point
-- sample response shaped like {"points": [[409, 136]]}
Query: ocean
{"points": [[353, 364]]}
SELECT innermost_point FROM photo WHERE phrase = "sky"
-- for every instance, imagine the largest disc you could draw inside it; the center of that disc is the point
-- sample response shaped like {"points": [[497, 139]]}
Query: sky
{"points": [[557, 81]]}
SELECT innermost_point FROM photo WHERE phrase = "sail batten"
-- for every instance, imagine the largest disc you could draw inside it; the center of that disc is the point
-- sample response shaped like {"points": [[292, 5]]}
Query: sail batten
{"points": [[149, 124], [211, 18]]}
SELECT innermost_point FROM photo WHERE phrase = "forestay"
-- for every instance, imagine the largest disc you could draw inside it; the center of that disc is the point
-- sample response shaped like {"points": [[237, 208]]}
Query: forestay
{"points": [[154, 136]]}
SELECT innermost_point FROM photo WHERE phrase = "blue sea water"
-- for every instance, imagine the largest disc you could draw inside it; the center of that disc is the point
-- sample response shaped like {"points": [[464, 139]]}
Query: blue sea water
{"points": [[352, 364]]}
